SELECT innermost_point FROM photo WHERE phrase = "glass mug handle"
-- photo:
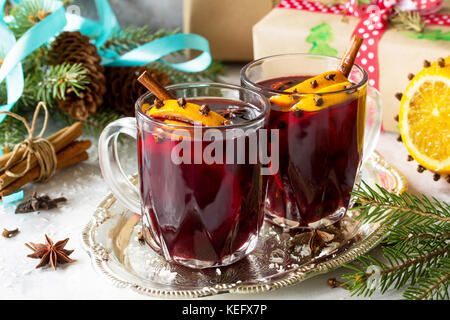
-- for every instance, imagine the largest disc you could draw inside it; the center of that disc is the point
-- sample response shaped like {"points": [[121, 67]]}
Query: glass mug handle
{"points": [[374, 118], [112, 171]]}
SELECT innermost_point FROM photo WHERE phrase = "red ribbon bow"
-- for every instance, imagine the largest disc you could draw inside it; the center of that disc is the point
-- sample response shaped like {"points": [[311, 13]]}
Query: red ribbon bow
{"points": [[373, 23]]}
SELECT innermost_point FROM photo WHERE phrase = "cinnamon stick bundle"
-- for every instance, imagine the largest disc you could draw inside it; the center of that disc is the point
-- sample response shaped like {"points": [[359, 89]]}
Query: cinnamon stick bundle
{"points": [[59, 140], [5, 158], [68, 152], [72, 154]]}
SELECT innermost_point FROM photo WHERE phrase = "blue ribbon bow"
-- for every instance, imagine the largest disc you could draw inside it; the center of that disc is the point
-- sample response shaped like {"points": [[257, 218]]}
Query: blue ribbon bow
{"points": [[15, 51], [58, 20]]}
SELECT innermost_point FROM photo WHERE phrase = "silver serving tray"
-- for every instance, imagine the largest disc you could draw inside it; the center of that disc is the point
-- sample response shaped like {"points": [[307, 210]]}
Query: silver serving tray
{"points": [[111, 239]]}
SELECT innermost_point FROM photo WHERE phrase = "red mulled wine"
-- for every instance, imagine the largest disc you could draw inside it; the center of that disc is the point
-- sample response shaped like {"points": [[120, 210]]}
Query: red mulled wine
{"points": [[201, 214], [320, 152]]}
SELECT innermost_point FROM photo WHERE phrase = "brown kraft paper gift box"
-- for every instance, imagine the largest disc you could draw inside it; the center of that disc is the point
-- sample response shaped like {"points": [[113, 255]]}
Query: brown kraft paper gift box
{"points": [[286, 30], [227, 24]]}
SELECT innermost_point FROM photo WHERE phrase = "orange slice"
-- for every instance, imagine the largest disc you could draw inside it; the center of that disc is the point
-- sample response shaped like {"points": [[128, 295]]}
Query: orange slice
{"points": [[312, 103], [424, 118], [311, 85], [190, 113], [323, 81]]}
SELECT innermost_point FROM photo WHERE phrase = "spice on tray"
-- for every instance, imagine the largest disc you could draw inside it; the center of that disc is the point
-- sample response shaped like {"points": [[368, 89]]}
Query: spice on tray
{"points": [[334, 283], [36, 203], [10, 233]]}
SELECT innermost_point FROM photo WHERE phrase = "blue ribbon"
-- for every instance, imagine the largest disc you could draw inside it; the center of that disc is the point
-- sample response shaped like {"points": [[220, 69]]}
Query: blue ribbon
{"points": [[152, 51], [16, 51], [14, 79], [161, 47]]}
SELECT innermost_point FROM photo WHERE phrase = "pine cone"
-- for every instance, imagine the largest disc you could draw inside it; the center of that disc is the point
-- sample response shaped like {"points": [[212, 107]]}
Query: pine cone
{"points": [[123, 89], [73, 47]]}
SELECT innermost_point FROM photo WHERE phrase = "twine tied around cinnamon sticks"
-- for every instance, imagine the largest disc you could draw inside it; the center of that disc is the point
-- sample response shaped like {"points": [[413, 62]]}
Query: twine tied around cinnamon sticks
{"points": [[25, 168], [36, 146]]}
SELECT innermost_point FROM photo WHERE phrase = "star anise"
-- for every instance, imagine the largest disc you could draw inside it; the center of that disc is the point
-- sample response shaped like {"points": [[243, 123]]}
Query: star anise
{"points": [[316, 240], [50, 253]]}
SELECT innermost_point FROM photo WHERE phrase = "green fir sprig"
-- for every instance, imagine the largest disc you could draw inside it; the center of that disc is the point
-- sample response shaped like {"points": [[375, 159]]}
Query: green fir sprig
{"points": [[212, 73], [122, 41], [60, 77], [407, 20], [27, 14], [415, 252]]}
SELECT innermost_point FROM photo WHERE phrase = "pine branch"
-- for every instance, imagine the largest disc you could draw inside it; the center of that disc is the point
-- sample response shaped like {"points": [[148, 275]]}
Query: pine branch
{"points": [[407, 20], [12, 132], [433, 287], [133, 37], [403, 209], [61, 77], [395, 275], [123, 41], [212, 73], [94, 124], [27, 14], [7, 9], [48, 83], [417, 251]]}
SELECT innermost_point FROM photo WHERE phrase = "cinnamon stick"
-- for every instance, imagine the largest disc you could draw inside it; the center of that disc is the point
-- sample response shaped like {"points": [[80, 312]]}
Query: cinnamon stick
{"points": [[59, 141], [348, 60], [72, 154], [154, 87], [5, 158]]}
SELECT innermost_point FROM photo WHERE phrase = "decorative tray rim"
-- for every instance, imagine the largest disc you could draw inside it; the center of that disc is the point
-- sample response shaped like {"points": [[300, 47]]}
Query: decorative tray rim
{"points": [[100, 256]]}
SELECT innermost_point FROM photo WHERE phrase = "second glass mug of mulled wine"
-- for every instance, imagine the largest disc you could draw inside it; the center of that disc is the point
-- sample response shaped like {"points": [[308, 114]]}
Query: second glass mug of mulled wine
{"points": [[197, 212], [322, 139]]}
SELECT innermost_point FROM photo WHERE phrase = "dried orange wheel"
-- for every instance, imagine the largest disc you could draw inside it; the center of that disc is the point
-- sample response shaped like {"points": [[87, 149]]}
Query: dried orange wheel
{"points": [[424, 118]]}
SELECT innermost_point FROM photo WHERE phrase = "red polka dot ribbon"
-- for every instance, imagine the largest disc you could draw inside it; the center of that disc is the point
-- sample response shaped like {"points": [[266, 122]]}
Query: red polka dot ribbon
{"points": [[373, 23]]}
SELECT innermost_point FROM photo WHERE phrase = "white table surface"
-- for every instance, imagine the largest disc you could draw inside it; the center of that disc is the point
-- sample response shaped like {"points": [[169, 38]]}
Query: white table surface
{"points": [[84, 188]]}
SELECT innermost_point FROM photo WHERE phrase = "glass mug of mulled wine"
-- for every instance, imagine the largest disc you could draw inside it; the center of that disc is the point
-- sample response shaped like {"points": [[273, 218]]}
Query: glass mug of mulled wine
{"points": [[202, 205], [322, 140]]}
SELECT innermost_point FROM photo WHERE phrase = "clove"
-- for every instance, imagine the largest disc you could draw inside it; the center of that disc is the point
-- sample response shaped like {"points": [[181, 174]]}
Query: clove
{"points": [[9, 233], [334, 283]]}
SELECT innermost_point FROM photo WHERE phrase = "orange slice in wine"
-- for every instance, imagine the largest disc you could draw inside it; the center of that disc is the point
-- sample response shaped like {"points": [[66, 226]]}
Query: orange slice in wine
{"points": [[317, 102], [187, 113], [312, 85]]}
